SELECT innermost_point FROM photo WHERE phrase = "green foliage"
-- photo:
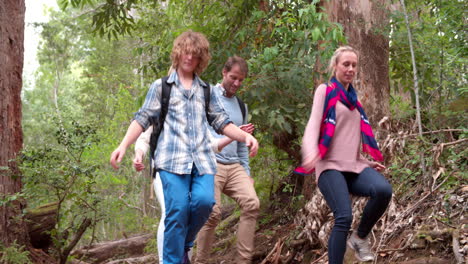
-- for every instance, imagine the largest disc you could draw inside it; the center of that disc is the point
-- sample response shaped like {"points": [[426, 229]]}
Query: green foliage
{"points": [[59, 173], [87, 88], [283, 48], [110, 18], [94, 81], [151, 246], [441, 50], [446, 163], [14, 254], [268, 168]]}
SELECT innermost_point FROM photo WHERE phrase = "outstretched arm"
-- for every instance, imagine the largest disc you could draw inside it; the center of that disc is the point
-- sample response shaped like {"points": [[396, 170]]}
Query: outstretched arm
{"points": [[151, 109], [134, 130], [224, 141], [235, 133]]}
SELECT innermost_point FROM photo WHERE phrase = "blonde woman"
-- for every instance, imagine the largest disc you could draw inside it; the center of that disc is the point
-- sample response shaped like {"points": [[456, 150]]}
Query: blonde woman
{"points": [[337, 132]]}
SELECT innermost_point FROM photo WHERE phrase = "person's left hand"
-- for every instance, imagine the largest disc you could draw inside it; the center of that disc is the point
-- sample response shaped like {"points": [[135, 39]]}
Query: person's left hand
{"points": [[378, 167], [251, 143], [138, 160], [117, 156]]}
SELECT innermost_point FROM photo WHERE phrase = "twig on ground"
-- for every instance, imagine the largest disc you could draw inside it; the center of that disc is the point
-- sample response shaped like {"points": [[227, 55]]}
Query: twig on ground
{"points": [[319, 259], [393, 249], [451, 226], [273, 253], [417, 204]]}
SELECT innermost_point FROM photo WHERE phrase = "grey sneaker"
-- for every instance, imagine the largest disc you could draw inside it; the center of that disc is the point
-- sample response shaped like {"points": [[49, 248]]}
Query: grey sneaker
{"points": [[361, 247]]}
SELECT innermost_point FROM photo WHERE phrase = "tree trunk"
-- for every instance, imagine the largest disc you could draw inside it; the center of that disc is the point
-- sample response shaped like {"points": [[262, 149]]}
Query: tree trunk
{"points": [[365, 23], [12, 14]]}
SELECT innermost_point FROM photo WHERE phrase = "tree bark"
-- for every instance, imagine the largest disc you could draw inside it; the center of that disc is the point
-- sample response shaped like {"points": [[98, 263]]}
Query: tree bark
{"points": [[365, 23], [12, 14]]}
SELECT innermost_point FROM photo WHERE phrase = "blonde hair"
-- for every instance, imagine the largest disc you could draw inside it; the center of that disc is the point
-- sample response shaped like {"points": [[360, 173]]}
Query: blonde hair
{"points": [[194, 43], [336, 56]]}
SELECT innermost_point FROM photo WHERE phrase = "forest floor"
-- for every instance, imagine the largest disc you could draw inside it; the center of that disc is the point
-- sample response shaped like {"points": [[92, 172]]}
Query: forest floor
{"points": [[418, 227], [274, 245], [423, 234]]}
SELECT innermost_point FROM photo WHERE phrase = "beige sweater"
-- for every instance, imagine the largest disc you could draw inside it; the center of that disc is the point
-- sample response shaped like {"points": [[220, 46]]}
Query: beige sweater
{"points": [[345, 148]]}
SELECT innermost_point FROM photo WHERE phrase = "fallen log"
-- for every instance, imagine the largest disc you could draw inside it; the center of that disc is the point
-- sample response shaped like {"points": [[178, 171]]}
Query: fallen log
{"points": [[40, 221], [124, 248], [137, 260]]}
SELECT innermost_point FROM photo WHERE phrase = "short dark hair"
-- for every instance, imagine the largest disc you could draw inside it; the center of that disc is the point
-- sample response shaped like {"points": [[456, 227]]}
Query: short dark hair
{"points": [[236, 60]]}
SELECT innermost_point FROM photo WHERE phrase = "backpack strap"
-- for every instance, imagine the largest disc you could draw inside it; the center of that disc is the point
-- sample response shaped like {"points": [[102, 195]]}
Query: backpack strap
{"points": [[165, 95], [242, 107], [158, 126], [207, 94]]}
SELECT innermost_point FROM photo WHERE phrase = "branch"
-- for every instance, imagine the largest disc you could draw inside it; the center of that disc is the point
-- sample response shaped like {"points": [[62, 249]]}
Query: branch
{"points": [[405, 246], [319, 259], [64, 255], [441, 148], [128, 205], [433, 132], [92, 10], [393, 249], [275, 253], [150, 205], [454, 142]]}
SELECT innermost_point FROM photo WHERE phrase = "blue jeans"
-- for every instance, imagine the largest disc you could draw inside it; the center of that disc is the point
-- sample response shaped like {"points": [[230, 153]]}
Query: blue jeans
{"points": [[336, 187], [187, 201]]}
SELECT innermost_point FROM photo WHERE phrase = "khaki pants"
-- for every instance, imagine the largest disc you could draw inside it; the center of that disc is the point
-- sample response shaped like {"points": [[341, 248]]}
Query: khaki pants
{"points": [[233, 181]]}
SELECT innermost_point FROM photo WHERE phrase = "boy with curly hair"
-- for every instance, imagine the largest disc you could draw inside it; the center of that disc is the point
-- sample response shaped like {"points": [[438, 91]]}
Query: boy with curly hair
{"points": [[184, 159]]}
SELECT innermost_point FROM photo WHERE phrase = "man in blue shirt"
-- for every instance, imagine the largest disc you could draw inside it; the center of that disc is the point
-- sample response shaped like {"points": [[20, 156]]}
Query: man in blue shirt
{"points": [[233, 171], [183, 158]]}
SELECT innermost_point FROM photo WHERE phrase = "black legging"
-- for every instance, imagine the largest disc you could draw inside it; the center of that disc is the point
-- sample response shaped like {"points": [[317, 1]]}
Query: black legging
{"points": [[336, 187]]}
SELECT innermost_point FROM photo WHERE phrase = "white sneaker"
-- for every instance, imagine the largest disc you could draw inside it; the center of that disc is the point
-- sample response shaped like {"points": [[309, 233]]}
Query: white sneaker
{"points": [[361, 247]]}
